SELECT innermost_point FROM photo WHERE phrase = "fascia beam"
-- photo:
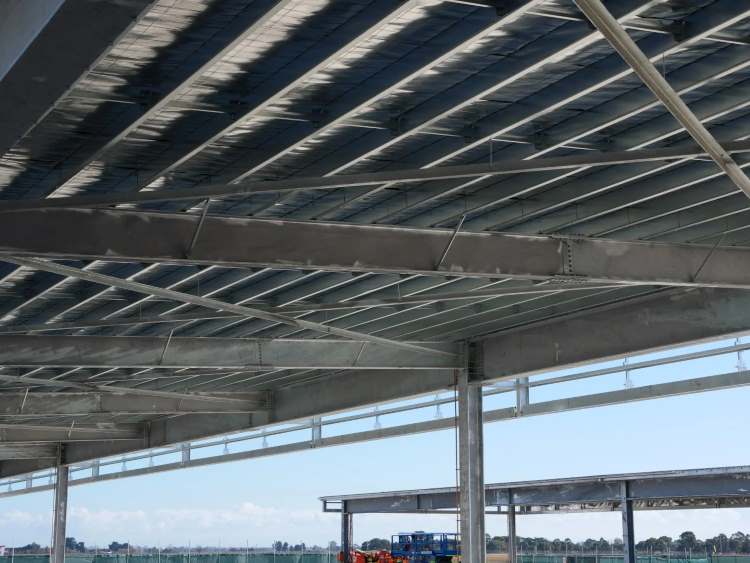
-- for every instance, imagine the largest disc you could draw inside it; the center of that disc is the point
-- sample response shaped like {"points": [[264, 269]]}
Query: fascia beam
{"points": [[132, 236], [231, 353]]}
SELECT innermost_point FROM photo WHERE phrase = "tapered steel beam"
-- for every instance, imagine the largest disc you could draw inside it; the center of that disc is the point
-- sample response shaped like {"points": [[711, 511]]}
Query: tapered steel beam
{"points": [[217, 305], [467, 171], [244, 242], [645, 69], [185, 352]]}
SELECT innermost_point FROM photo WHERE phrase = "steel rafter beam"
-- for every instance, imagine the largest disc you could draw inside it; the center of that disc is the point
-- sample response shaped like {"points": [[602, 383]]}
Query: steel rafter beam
{"points": [[10, 433], [76, 404], [652, 323], [216, 305], [466, 171], [112, 389], [185, 352], [598, 14], [28, 451], [244, 242]]}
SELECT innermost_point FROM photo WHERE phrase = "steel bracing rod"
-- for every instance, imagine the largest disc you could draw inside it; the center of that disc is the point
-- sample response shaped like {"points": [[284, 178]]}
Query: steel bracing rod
{"points": [[542, 288], [244, 242], [644, 68], [676, 388], [498, 168], [258, 26], [422, 285], [209, 303], [384, 325], [258, 292]]}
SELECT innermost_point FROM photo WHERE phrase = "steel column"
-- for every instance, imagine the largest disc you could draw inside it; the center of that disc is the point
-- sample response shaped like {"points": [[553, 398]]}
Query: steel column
{"points": [[512, 539], [628, 539], [471, 468], [347, 526], [61, 514]]}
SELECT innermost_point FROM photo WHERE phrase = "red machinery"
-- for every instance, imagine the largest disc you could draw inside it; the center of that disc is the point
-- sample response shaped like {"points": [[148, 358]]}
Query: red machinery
{"points": [[379, 556]]}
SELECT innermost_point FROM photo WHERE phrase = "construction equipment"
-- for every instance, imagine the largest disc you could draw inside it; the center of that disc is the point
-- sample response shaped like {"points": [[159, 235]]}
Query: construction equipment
{"points": [[426, 547], [413, 547]]}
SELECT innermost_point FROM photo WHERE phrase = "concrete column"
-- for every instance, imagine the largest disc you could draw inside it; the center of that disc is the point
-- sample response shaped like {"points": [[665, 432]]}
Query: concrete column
{"points": [[512, 539], [628, 539], [522, 394], [471, 469], [347, 536], [61, 514]]}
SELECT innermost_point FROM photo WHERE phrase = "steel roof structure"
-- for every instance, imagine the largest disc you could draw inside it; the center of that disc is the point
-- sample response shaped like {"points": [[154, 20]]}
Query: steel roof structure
{"points": [[217, 215], [722, 487]]}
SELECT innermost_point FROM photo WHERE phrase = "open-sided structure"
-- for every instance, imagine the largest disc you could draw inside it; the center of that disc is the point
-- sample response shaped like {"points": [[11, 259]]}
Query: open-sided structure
{"points": [[724, 487], [219, 215]]}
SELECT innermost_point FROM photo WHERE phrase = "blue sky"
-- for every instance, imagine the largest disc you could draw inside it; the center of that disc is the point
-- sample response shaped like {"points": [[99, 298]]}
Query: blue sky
{"points": [[260, 500]]}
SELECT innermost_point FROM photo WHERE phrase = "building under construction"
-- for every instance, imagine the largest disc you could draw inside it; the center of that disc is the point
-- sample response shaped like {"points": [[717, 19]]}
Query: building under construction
{"points": [[225, 220]]}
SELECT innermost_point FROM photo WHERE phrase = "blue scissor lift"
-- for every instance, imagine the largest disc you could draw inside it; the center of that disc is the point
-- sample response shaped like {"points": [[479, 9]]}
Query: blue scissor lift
{"points": [[426, 547]]}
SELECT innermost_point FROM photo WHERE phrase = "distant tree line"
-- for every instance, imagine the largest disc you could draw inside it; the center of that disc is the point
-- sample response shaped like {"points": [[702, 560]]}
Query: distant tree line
{"points": [[737, 542], [686, 542]]}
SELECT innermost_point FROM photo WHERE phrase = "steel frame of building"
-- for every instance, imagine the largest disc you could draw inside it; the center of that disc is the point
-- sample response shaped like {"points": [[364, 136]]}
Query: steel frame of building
{"points": [[236, 215], [725, 487]]}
